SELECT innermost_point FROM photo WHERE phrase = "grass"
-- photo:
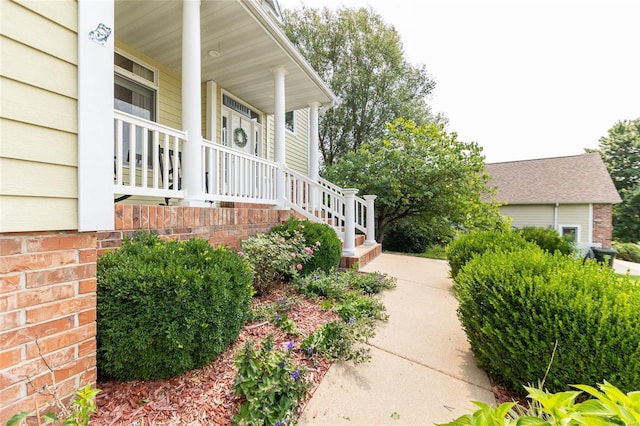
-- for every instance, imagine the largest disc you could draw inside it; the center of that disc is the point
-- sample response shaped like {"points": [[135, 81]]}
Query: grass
{"points": [[434, 252]]}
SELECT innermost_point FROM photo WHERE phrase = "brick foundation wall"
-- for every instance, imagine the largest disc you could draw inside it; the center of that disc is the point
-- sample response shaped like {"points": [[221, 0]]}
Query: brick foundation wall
{"points": [[219, 226], [602, 224], [48, 296]]}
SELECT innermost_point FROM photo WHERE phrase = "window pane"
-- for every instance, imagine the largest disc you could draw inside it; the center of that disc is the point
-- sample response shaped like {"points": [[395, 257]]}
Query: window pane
{"points": [[134, 67], [289, 121]]}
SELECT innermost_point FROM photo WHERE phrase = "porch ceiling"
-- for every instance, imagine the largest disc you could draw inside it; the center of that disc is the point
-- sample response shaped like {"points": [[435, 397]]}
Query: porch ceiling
{"points": [[250, 43]]}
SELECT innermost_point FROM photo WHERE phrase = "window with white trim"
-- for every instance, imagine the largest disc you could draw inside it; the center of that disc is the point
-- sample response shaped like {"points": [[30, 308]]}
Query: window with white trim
{"points": [[572, 232], [135, 91], [290, 121]]}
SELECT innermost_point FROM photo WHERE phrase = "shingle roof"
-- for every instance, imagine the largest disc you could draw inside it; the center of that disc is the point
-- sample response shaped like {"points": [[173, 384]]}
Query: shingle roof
{"points": [[575, 179]]}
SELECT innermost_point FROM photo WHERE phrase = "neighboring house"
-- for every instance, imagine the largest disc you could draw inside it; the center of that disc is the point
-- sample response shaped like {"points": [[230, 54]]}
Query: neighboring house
{"points": [[186, 118], [573, 195]]}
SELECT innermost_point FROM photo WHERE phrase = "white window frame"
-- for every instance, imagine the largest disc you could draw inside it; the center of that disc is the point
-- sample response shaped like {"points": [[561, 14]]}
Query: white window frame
{"points": [[155, 85], [293, 124], [561, 228]]}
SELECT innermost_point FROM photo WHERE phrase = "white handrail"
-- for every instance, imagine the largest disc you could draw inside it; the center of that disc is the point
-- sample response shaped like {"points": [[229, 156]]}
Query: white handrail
{"points": [[324, 201]]}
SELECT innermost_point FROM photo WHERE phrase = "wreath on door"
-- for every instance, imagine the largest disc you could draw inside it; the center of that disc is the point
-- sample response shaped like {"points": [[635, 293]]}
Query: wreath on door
{"points": [[240, 137]]}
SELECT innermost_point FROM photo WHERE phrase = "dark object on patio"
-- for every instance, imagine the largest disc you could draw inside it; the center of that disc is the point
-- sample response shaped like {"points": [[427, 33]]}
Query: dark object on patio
{"points": [[602, 255]]}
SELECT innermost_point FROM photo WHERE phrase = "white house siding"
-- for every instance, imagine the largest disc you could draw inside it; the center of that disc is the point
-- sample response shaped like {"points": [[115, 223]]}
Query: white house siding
{"points": [[38, 115], [529, 215], [575, 214]]}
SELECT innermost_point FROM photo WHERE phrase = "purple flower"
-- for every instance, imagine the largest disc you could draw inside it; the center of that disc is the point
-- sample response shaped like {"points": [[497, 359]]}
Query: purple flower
{"points": [[281, 364], [309, 350], [240, 253], [299, 267], [308, 250], [293, 255], [289, 344], [278, 317], [295, 375], [352, 320]]}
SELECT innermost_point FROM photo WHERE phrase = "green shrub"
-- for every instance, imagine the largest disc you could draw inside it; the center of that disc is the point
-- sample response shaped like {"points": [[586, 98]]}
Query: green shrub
{"points": [[466, 246], [320, 237], [340, 341], [515, 306], [360, 307], [330, 285], [547, 239], [406, 237], [274, 258], [270, 383], [627, 251], [165, 307]]}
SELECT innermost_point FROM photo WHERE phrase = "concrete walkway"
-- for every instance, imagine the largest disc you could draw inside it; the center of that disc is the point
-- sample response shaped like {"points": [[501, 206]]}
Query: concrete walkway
{"points": [[622, 267], [422, 371]]}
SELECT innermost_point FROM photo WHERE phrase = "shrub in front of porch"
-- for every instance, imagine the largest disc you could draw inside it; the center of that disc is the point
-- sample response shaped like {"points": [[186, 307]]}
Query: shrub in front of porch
{"points": [[320, 237], [274, 258], [166, 307]]}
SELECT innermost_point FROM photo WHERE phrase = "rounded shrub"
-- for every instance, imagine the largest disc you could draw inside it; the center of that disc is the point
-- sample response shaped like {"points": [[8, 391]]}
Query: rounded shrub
{"points": [[406, 237], [627, 251], [166, 307], [466, 246], [517, 306], [320, 237], [547, 239]]}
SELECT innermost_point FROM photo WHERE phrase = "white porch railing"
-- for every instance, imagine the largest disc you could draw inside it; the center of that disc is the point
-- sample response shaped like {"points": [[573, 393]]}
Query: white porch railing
{"points": [[325, 202], [230, 175], [153, 149], [148, 163]]}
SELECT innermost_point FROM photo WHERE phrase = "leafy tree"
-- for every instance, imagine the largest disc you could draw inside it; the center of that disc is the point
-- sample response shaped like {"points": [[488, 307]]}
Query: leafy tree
{"points": [[423, 173], [362, 59], [620, 151], [626, 219]]}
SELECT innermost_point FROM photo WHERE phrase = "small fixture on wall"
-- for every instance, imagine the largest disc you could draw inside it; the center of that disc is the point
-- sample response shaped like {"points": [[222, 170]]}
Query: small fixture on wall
{"points": [[215, 53], [101, 34]]}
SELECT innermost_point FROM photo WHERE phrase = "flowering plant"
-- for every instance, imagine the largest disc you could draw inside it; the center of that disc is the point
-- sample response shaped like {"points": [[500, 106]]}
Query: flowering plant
{"points": [[270, 382], [274, 258]]}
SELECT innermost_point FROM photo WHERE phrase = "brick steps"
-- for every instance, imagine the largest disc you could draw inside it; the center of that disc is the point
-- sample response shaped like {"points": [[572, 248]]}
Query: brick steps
{"points": [[364, 254]]}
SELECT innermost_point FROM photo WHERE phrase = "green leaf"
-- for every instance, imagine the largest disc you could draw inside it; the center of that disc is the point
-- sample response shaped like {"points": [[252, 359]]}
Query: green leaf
{"points": [[17, 418], [395, 416]]}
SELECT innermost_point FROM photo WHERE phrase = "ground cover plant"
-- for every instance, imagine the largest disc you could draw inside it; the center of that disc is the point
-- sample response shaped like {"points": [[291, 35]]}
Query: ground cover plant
{"points": [[166, 307], [604, 406], [515, 306]]}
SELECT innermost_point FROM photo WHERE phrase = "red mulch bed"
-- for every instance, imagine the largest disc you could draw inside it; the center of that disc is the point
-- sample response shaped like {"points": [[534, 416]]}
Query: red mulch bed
{"points": [[205, 396]]}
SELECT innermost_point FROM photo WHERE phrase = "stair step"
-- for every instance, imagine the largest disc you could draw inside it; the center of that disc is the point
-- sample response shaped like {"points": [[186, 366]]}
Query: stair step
{"points": [[364, 254]]}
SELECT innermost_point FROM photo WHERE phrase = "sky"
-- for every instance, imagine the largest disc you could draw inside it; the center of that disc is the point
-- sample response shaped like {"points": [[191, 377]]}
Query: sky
{"points": [[524, 79]]}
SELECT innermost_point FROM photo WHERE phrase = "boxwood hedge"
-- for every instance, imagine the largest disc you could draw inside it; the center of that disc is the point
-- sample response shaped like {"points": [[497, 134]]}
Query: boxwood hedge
{"points": [[165, 307], [515, 306]]}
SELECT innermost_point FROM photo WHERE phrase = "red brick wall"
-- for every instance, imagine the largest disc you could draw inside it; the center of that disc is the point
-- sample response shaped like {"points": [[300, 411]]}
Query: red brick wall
{"points": [[602, 224], [220, 226], [48, 293]]}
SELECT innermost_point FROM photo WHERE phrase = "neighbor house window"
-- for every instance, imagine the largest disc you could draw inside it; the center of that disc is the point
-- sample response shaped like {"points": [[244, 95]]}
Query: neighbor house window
{"points": [[290, 121], [571, 232]]}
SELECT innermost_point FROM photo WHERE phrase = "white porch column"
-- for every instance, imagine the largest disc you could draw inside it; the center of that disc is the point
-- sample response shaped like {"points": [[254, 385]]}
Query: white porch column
{"points": [[95, 115], [349, 248], [191, 103], [313, 152], [278, 120], [371, 222]]}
